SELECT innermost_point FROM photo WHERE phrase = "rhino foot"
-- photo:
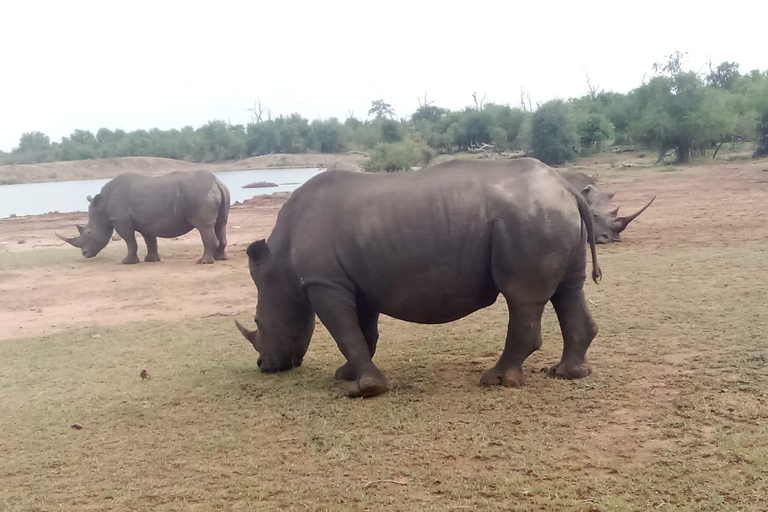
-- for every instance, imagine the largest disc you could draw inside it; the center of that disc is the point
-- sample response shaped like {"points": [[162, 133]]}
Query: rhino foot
{"points": [[346, 372], [219, 257], [152, 258], [368, 386], [569, 371], [131, 260], [496, 377], [206, 260]]}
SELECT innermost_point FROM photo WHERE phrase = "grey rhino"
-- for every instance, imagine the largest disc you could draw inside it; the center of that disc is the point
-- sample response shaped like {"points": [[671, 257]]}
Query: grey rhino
{"points": [[607, 223], [166, 207], [430, 247]]}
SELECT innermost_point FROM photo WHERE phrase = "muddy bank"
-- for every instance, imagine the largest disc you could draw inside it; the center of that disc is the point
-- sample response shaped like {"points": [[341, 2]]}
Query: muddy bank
{"points": [[153, 166]]}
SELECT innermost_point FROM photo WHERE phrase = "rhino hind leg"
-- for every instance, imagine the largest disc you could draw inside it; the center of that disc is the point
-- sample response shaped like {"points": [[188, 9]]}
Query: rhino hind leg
{"points": [[578, 328], [152, 254], [210, 244], [336, 308], [221, 235], [523, 339]]}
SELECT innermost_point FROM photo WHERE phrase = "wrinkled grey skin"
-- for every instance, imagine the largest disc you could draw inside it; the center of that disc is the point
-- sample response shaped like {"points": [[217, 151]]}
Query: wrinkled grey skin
{"points": [[165, 207], [429, 246], [607, 223]]}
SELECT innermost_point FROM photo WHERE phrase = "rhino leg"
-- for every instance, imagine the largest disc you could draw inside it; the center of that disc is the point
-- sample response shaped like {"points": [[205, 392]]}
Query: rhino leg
{"points": [[523, 338], [210, 243], [221, 236], [129, 237], [152, 254], [336, 308], [369, 324], [578, 328]]}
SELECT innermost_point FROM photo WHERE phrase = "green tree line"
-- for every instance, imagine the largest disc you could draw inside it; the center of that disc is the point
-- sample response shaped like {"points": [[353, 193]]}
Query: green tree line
{"points": [[677, 110]]}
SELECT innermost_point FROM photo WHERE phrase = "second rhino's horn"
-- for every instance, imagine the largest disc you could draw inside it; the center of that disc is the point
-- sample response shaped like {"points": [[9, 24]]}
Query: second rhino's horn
{"points": [[621, 223], [249, 335], [71, 241]]}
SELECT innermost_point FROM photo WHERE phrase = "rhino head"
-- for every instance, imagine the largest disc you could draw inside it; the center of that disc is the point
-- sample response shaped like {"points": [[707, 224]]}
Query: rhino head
{"points": [[606, 221], [95, 235], [284, 317]]}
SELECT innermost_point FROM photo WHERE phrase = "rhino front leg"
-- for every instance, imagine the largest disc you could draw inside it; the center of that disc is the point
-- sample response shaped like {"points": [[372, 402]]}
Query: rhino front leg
{"points": [[523, 338], [578, 328], [210, 244], [337, 310], [369, 325], [129, 237], [152, 254]]}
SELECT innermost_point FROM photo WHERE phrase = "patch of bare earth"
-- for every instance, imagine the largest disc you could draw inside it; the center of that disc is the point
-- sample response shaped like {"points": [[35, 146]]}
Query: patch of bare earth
{"points": [[673, 417], [154, 166]]}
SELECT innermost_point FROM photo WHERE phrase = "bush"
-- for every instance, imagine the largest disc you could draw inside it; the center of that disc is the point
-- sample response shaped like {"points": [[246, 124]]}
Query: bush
{"points": [[399, 156], [553, 133]]}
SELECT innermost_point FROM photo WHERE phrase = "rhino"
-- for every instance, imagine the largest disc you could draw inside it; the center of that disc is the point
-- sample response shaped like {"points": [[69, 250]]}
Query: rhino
{"points": [[166, 207], [430, 247], [605, 219]]}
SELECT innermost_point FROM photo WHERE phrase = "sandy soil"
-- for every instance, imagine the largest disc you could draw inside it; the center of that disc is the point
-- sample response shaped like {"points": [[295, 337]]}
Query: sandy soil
{"points": [[151, 166], [45, 285]]}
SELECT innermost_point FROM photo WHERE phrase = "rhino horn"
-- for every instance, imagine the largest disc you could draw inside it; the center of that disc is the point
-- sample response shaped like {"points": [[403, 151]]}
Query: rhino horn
{"points": [[621, 223], [71, 241], [249, 335], [610, 195], [80, 228], [614, 212]]}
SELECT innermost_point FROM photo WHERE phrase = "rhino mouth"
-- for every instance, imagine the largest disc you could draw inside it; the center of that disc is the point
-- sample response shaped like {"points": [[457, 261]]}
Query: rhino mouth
{"points": [[269, 367]]}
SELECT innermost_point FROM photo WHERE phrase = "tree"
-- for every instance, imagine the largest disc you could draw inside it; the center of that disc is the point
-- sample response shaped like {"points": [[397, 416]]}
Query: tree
{"points": [[553, 134], [724, 76], [676, 110], [327, 135], [593, 130], [380, 109], [34, 142]]}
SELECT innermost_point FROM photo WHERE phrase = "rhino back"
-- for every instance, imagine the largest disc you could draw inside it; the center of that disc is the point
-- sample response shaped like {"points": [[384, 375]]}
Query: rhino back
{"points": [[426, 237], [164, 206]]}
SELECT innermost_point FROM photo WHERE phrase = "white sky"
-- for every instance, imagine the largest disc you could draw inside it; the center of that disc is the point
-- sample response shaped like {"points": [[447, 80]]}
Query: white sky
{"points": [[136, 64]]}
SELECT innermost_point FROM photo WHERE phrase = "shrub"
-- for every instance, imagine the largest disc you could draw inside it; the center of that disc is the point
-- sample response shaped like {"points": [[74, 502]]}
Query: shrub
{"points": [[399, 156]]}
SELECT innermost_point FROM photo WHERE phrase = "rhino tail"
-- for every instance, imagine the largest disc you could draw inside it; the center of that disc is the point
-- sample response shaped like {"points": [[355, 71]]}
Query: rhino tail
{"points": [[586, 217]]}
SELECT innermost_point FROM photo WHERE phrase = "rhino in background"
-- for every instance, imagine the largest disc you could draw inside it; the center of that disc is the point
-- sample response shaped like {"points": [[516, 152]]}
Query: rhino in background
{"points": [[166, 207], [605, 219]]}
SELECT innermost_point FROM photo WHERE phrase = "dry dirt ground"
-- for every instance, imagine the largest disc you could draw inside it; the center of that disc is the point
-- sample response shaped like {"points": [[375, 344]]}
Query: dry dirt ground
{"points": [[152, 166], [674, 417]]}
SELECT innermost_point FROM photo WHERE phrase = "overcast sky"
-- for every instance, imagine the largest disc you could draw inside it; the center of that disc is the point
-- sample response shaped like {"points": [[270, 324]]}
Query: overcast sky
{"points": [[120, 64]]}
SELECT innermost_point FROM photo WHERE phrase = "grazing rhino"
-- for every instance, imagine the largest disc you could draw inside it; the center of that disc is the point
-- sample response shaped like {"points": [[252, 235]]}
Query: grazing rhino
{"points": [[605, 219], [430, 247], [165, 207]]}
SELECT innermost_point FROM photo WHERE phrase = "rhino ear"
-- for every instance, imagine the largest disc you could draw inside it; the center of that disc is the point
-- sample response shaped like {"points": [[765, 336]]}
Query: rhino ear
{"points": [[80, 228], [90, 199], [258, 252]]}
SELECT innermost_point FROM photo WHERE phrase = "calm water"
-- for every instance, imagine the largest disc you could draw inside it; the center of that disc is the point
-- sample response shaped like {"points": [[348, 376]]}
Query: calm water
{"points": [[70, 196]]}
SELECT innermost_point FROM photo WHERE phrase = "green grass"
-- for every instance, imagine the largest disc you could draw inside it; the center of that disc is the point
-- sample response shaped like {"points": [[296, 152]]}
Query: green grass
{"points": [[674, 417]]}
